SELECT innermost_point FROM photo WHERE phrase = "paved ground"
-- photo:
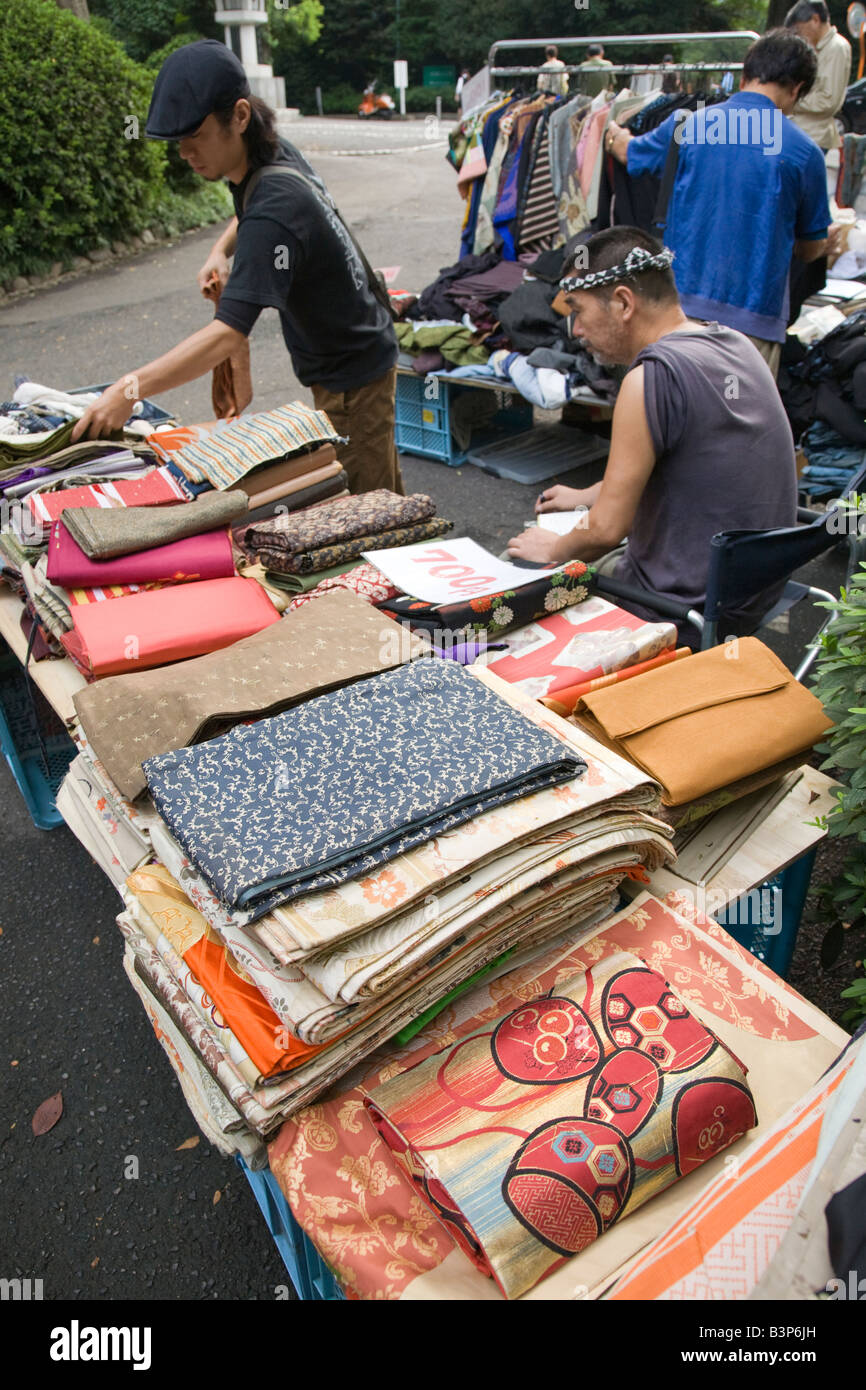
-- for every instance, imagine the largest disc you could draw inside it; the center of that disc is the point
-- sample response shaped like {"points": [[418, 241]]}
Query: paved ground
{"points": [[70, 1021]]}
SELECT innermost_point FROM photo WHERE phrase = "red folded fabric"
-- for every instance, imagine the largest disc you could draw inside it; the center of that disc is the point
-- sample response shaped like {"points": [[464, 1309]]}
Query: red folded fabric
{"points": [[208, 556], [163, 625], [154, 489]]}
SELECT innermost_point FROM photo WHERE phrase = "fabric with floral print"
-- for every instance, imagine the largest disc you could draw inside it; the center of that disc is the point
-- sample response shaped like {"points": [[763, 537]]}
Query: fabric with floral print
{"points": [[335, 787], [496, 614]]}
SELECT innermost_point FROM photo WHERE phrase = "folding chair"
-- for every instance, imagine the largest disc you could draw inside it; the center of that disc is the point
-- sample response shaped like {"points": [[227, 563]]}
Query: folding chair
{"points": [[745, 563]]}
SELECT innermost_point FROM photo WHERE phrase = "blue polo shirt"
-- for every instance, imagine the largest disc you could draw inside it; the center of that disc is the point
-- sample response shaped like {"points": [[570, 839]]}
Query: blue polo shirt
{"points": [[749, 184]]}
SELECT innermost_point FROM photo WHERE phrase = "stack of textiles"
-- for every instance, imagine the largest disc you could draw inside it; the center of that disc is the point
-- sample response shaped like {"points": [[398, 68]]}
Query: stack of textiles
{"points": [[38, 421], [129, 718], [495, 614], [826, 383], [283, 456], [365, 854], [685, 1040], [339, 531]]}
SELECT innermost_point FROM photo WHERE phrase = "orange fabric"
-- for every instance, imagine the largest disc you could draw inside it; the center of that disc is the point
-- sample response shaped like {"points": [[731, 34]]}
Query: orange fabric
{"points": [[564, 701], [267, 1042], [232, 383]]}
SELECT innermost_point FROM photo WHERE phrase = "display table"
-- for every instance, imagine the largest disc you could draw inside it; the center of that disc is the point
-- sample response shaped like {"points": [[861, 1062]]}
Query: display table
{"points": [[784, 838]]}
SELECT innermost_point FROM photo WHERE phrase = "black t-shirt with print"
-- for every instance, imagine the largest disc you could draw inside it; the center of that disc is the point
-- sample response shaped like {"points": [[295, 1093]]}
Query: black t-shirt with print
{"points": [[294, 255]]}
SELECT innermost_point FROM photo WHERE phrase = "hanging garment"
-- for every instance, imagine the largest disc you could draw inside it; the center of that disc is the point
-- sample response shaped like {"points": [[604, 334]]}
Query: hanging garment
{"points": [[345, 782], [150, 629], [232, 382], [539, 222]]}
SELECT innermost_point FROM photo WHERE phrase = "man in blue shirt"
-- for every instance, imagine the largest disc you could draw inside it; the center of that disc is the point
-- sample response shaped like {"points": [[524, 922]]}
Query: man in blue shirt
{"points": [[750, 190]]}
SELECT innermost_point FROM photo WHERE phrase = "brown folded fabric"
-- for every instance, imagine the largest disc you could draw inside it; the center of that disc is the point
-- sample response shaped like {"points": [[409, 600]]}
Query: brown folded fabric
{"points": [[286, 471], [313, 560], [336, 640], [329, 490], [367, 515], [290, 487], [707, 721], [103, 533], [691, 811], [232, 380]]}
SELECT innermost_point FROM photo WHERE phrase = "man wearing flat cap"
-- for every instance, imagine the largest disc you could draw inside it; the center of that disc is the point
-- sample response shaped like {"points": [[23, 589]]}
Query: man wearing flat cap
{"points": [[291, 251]]}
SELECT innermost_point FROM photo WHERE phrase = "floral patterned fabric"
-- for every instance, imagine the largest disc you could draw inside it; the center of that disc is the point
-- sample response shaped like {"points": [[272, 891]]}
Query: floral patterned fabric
{"points": [[498, 613], [365, 581], [356, 1201], [584, 641], [298, 542], [532, 1136], [346, 782]]}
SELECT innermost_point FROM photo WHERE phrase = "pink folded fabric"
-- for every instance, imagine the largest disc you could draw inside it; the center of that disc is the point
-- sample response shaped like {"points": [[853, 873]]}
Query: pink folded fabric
{"points": [[208, 556], [163, 625]]}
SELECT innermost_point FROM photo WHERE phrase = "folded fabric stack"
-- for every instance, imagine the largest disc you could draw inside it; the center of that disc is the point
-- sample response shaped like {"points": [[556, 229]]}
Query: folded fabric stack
{"points": [[281, 456], [533, 1135], [360, 857], [340, 531], [613, 1068]]}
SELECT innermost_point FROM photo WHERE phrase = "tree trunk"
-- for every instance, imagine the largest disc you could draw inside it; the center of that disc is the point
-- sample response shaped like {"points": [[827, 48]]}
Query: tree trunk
{"points": [[78, 7]]}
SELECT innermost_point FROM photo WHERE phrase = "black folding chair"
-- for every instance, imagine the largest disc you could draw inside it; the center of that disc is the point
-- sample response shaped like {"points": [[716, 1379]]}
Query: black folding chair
{"points": [[743, 564]]}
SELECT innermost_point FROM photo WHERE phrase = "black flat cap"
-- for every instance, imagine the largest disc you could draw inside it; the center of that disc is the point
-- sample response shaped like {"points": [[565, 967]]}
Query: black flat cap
{"points": [[192, 82]]}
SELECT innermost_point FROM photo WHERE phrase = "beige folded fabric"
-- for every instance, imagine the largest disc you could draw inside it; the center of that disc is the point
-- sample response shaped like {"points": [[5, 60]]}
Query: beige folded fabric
{"points": [[287, 470], [103, 533], [707, 721], [336, 640]]}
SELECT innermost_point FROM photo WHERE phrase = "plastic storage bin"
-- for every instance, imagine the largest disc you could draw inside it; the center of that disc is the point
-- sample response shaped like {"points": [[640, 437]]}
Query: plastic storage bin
{"points": [[766, 919], [311, 1277], [422, 417], [37, 768]]}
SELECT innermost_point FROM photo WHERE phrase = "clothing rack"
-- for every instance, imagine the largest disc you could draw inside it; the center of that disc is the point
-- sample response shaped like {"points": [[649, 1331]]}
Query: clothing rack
{"points": [[716, 36]]}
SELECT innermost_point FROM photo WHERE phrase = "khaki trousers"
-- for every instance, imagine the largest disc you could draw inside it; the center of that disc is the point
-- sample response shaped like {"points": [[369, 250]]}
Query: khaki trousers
{"points": [[771, 352], [366, 417]]}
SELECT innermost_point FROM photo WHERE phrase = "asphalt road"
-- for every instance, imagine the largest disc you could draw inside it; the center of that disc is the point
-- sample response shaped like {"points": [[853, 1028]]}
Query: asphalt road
{"points": [[70, 1021]]}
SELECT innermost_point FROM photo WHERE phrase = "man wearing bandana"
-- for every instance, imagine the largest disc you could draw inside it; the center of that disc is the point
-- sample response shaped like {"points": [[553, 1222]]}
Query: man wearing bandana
{"points": [[700, 442]]}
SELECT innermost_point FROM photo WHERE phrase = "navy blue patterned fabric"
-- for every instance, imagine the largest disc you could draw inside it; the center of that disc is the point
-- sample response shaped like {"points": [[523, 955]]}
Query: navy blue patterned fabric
{"points": [[335, 787]]}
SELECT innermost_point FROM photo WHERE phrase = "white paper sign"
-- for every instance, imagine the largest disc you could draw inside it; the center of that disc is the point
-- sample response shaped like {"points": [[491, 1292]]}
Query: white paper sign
{"points": [[447, 571], [563, 522]]}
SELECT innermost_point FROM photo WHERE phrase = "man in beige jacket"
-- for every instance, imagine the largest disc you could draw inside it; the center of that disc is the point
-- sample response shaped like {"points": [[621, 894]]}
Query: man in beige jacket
{"points": [[815, 114]]}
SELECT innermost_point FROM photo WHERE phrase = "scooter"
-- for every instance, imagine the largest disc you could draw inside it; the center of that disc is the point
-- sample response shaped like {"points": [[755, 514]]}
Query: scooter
{"points": [[376, 105]]}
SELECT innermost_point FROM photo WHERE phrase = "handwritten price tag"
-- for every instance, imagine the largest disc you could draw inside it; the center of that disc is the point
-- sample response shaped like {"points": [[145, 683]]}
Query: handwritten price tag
{"points": [[459, 569]]}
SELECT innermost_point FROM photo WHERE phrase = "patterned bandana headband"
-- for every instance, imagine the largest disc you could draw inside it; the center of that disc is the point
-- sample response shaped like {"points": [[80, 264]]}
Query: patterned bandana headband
{"points": [[636, 261]]}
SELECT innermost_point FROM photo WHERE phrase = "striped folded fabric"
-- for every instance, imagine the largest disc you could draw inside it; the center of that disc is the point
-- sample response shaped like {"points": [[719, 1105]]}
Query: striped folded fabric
{"points": [[225, 455]]}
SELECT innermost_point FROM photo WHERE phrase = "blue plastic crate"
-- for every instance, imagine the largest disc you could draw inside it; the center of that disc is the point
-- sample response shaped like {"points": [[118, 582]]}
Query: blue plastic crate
{"points": [[766, 920], [311, 1277], [421, 425], [422, 417], [37, 773]]}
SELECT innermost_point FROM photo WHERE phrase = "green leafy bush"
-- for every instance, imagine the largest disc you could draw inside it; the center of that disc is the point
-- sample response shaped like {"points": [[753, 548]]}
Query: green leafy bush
{"points": [[841, 687], [424, 99], [342, 100], [73, 175], [76, 171]]}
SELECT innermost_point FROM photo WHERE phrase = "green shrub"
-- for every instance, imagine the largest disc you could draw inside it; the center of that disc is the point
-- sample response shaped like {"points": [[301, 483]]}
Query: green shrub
{"points": [[424, 99], [342, 100], [70, 178], [840, 685], [154, 61]]}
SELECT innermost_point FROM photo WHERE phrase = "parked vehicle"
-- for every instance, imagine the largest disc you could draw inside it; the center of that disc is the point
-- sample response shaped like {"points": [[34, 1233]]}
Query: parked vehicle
{"points": [[376, 104], [851, 119]]}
